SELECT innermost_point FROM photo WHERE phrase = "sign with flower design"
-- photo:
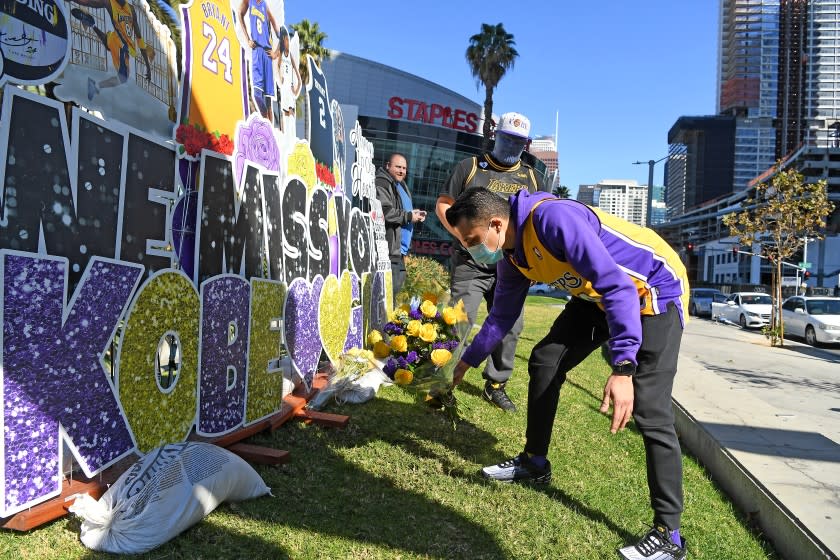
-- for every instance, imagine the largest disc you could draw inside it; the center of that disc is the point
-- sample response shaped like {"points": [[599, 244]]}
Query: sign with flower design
{"points": [[172, 255]]}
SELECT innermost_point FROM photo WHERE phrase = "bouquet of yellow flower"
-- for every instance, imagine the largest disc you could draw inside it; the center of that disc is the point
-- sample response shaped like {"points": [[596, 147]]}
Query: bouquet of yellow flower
{"points": [[420, 346]]}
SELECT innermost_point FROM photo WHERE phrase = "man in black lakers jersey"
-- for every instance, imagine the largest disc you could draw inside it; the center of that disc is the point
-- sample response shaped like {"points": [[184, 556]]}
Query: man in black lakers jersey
{"points": [[503, 172]]}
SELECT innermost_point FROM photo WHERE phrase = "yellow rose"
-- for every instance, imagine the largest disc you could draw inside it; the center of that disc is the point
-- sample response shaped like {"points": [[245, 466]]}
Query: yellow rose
{"points": [[428, 332], [449, 316], [431, 297], [381, 349], [428, 309], [440, 356], [403, 377], [397, 315], [399, 343], [373, 337], [460, 313], [413, 328]]}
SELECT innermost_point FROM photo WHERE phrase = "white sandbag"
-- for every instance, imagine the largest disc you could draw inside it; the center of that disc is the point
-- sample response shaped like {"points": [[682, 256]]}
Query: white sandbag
{"points": [[355, 389], [363, 389], [167, 491]]}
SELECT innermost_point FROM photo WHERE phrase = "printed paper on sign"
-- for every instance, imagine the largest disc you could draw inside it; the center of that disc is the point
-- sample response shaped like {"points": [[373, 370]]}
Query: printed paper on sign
{"points": [[33, 41], [122, 63]]}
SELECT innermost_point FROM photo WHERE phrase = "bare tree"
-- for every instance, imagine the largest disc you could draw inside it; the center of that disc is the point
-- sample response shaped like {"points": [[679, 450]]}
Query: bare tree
{"points": [[780, 216]]}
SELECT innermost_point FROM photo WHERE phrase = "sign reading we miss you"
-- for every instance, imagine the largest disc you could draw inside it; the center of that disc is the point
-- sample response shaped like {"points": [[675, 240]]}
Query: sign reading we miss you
{"points": [[172, 258]]}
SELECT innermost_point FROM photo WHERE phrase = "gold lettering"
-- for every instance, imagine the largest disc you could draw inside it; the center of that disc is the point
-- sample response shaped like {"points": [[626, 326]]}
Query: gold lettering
{"points": [[496, 185]]}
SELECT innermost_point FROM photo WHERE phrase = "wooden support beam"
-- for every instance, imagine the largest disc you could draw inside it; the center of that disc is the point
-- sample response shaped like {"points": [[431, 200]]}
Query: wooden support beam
{"points": [[238, 435], [55, 508], [259, 454], [322, 418]]}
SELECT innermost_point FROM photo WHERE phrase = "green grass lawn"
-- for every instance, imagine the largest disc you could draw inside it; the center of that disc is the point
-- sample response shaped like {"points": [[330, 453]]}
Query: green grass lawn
{"points": [[399, 483]]}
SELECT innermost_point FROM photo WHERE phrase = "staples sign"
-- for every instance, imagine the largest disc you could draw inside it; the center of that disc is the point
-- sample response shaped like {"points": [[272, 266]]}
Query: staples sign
{"points": [[432, 113]]}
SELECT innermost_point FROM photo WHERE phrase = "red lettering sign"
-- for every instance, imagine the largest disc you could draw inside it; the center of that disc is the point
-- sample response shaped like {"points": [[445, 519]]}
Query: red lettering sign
{"points": [[431, 247], [395, 110], [420, 111]]}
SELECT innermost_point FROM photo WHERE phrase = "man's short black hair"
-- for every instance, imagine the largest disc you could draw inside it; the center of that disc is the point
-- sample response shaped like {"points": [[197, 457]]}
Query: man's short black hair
{"points": [[477, 204]]}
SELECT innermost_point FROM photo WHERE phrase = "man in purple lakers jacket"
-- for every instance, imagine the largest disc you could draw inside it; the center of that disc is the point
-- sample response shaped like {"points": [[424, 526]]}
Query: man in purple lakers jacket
{"points": [[629, 288]]}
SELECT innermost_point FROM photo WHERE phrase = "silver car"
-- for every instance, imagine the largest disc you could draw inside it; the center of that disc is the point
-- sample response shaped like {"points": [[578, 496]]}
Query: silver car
{"points": [[700, 300], [815, 318]]}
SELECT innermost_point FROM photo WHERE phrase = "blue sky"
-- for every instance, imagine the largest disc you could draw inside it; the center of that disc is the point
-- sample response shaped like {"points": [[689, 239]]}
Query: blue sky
{"points": [[619, 72]]}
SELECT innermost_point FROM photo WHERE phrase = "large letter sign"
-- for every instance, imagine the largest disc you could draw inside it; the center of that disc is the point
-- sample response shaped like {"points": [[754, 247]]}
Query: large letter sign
{"points": [[173, 260], [53, 375]]}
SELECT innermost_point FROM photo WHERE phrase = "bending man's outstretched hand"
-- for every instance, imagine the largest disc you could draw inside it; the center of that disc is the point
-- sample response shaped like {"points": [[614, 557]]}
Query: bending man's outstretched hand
{"points": [[460, 371], [619, 390]]}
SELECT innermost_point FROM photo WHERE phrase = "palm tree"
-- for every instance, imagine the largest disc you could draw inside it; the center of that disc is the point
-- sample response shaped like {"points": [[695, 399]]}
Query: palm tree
{"points": [[311, 43], [311, 40], [490, 55], [561, 191], [168, 13]]}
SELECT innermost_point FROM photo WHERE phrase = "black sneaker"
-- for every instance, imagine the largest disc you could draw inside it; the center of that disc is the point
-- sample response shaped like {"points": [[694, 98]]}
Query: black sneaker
{"points": [[494, 392], [655, 545], [518, 468]]}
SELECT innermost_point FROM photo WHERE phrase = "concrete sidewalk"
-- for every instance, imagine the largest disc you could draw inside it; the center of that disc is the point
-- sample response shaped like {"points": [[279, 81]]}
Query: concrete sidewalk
{"points": [[766, 424]]}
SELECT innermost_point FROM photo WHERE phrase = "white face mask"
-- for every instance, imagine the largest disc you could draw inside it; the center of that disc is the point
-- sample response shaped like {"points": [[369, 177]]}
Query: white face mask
{"points": [[482, 255]]}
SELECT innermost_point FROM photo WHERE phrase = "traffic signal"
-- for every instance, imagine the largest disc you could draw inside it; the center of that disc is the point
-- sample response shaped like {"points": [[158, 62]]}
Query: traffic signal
{"points": [[689, 248], [806, 274], [735, 250]]}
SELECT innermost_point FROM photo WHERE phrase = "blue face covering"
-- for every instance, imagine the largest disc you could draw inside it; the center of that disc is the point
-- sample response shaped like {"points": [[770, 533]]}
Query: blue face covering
{"points": [[482, 255], [508, 149]]}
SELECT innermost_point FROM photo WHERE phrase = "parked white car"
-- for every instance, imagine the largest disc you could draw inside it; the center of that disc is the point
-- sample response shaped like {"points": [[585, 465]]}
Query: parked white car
{"points": [[817, 319], [748, 309]]}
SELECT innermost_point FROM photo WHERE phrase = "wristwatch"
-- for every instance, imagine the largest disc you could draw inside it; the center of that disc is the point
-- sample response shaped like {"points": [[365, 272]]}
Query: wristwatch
{"points": [[624, 367]]}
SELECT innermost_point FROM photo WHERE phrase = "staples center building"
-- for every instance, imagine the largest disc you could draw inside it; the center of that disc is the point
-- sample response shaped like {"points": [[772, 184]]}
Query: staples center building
{"points": [[433, 126]]}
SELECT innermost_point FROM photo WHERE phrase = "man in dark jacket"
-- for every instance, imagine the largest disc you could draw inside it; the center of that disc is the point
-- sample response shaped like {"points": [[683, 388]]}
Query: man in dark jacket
{"points": [[400, 215]]}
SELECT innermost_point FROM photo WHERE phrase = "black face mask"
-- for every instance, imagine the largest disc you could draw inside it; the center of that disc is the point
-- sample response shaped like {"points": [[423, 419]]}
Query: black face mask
{"points": [[508, 149]]}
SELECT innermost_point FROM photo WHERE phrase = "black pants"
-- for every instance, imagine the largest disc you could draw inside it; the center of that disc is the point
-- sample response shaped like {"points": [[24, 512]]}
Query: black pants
{"points": [[580, 329], [472, 283], [397, 275]]}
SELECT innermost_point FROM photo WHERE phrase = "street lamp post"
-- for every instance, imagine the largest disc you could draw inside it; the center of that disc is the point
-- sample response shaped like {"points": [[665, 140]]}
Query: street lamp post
{"points": [[651, 163]]}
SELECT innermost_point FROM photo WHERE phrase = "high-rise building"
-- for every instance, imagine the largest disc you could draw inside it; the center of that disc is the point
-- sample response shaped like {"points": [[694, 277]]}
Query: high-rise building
{"points": [[675, 179], [779, 78], [543, 144], [822, 63], [748, 67], [791, 117], [624, 198], [701, 159], [658, 207], [544, 149], [588, 194]]}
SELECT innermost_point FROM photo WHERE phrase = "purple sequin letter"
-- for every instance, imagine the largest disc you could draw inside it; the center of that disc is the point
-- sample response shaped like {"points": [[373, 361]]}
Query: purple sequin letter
{"points": [[300, 323], [52, 374], [354, 333], [376, 305], [224, 302]]}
